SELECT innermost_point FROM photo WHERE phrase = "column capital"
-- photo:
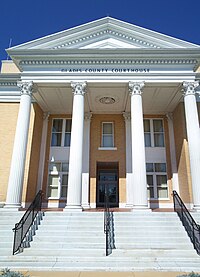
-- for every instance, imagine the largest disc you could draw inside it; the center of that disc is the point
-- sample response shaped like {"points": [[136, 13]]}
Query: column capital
{"points": [[169, 116], [78, 88], [26, 88], [189, 88], [135, 88], [88, 116], [127, 116]]}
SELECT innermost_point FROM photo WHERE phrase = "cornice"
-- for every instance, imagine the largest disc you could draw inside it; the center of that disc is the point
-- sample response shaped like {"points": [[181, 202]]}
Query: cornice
{"points": [[9, 80], [106, 61], [8, 84]]}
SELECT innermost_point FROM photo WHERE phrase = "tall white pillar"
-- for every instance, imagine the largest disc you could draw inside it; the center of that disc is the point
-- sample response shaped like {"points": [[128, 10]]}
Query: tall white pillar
{"points": [[193, 135], [16, 178], [129, 181], [76, 149], [86, 161], [138, 147], [175, 182]]}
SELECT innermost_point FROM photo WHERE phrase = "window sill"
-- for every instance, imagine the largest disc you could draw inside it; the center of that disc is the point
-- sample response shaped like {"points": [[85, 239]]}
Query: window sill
{"points": [[57, 198], [107, 148], [158, 199]]}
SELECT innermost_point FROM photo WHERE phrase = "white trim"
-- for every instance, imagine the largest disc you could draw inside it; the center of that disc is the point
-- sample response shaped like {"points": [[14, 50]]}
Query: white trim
{"points": [[93, 205], [122, 205]]}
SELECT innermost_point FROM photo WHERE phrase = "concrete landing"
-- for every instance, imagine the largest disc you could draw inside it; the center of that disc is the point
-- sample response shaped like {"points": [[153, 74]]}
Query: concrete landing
{"points": [[103, 274]]}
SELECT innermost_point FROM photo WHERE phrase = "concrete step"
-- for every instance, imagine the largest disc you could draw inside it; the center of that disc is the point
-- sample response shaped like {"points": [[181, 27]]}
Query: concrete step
{"points": [[70, 239], [76, 241], [67, 245], [103, 265]]}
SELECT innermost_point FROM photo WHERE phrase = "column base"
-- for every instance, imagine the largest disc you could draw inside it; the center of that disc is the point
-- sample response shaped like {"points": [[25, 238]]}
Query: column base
{"points": [[11, 207], [129, 206], [73, 209], [196, 208], [86, 206]]}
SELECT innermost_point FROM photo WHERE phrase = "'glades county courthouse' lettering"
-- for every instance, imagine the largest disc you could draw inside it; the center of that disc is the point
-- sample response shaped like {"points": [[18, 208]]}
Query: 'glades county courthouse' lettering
{"points": [[105, 70]]}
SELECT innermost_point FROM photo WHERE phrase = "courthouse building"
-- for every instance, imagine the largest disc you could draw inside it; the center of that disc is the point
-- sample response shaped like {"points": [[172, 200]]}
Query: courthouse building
{"points": [[104, 107]]}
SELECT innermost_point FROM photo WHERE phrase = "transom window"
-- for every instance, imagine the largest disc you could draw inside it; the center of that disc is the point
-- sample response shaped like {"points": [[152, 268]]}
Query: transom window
{"points": [[157, 181], [58, 180], [107, 134], [154, 133], [61, 132]]}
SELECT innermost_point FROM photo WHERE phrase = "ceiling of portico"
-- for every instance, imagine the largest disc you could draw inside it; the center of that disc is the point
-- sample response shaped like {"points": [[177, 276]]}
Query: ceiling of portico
{"points": [[157, 99]]}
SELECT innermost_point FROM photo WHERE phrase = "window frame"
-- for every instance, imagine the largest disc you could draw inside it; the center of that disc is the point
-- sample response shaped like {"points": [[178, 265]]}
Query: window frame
{"points": [[62, 133], [155, 173], [60, 177], [152, 133], [102, 135]]}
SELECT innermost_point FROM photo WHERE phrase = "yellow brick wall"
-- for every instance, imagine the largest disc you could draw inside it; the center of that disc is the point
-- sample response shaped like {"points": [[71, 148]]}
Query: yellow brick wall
{"points": [[33, 154], [182, 154], [8, 67], [108, 155], [8, 120]]}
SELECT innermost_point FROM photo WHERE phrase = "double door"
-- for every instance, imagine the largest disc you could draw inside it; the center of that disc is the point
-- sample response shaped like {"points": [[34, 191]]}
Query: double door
{"points": [[107, 185]]}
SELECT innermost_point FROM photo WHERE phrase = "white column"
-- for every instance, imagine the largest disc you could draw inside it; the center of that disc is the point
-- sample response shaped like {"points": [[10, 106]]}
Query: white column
{"points": [[129, 181], [16, 178], [76, 149], [138, 147], [42, 151], [86, 161], [175, 182], [193, 135]]}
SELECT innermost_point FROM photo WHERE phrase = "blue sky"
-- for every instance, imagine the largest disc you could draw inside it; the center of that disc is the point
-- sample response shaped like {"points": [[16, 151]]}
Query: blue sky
{"points": [[25, 20]]}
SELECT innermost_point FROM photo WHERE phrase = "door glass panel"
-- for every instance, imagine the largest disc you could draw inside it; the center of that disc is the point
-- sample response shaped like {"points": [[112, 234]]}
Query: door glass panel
{"points": [[101, 193]]}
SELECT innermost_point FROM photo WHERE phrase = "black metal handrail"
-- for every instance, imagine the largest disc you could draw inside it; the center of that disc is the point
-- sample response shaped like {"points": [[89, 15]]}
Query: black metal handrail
{"points": [[108, 226], [192, 228], [23, 226]]}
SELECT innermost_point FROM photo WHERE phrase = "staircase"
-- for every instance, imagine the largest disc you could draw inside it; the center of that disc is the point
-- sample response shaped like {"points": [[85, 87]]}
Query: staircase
{"points": [[76, 242]]}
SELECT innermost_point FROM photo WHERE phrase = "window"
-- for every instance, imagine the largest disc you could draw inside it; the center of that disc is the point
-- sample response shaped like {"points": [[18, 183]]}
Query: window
{"points": [[58, 180], [107, 134], [56, 132], [154, 133], [157, 180], [61, 132]]}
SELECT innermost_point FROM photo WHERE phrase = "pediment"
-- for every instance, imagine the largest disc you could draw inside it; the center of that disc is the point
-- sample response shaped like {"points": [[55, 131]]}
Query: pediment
{"points": [[105, 33]]}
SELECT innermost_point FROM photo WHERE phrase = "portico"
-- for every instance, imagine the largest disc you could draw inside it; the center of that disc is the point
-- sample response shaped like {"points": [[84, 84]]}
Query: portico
{"points": [[111, 100]]}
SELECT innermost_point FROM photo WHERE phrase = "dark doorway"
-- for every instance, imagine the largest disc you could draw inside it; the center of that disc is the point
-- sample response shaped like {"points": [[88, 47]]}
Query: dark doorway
{"points": [[107, 183]]}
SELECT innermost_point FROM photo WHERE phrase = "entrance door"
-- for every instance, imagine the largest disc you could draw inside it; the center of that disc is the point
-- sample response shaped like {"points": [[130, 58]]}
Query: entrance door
{"points": [[107, 184]]}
